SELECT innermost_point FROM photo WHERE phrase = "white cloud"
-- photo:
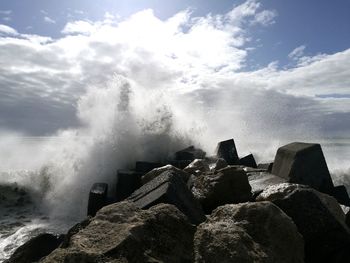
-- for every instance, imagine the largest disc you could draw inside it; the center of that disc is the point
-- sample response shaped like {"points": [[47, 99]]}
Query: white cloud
{"points": [[79, 27], [49, 20], [265, 17], [297, 53], [4, 29], [5, 12]]}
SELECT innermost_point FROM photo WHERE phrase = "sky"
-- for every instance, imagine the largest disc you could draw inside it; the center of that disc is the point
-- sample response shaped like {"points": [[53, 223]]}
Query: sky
{"points": [[280, 64]]}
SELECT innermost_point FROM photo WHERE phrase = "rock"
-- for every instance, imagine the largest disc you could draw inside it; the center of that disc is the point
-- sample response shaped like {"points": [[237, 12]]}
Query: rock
{"points": [[127, 182], [340, 193], [197, 166], [157, 171], [248, 161], [169, 188], [259, 181], [36, 248], [227, 151], [226, 186], [266, 166], [347, 218], [121, 232], [181, 164], [145, 167], [219, 164], [303, 163], [248, 232], [97, 198], [318, 217], [190, 153]]}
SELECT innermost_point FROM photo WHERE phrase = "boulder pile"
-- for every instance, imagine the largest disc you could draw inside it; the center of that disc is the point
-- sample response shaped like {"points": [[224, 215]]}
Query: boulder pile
{"points": [[221, 208]]}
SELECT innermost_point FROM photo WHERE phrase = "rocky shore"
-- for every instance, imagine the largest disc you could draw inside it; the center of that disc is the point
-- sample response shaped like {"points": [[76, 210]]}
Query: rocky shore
{"points": [[220, 208]]}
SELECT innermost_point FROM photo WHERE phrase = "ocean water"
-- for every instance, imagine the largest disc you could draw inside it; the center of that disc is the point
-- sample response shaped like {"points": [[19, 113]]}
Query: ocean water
{"points": [[45, 181]]}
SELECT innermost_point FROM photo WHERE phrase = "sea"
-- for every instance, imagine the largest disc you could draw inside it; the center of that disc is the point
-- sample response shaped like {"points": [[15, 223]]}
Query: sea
{"points": [[35, 199]]}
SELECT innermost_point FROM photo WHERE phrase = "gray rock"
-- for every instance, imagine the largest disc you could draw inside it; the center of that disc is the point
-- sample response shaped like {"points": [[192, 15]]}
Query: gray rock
{"points": [[190, 153], [259, 181], [121, 232], [36, 248], [197, 166], [303, 163], [169, 188], [225, 186], [249, 232], [157, 171], [266, 166], [319, 219]]}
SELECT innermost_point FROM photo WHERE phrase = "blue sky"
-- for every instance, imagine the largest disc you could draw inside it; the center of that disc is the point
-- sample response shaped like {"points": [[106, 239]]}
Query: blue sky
{"points": [[282, 62]]}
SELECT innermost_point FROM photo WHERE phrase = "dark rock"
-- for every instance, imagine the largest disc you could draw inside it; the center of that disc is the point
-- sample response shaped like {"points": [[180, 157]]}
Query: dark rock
{"points": [[181, 164], [189, 153], [259, 181], [127, 182], [145, 167], [220, 163], [248, 232], [225, 186], [36, 248], [266, 166], [121, 232], [340, 193], [318, 217], [97, 198], [347, 218], [227, 150], [157, 171], [248, 161], [169, 188], [303, 163]]}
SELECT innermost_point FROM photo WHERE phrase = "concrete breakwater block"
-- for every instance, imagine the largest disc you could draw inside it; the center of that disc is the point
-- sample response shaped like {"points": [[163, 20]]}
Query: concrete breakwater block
{"points": [[227, 151], [303, 163], [145, 167], [248, 161], [266, 166], [189, 153], [340, 193], [169, 188], [97, 198], [127, 182]]}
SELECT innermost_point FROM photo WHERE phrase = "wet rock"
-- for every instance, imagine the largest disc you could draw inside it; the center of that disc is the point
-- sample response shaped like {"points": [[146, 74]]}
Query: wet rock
{"points": [[169, 188], [249, 232], [318, 217], [145, 167], [97, 198], [35, 249], [227, 151], [197, 166], [226, 186], [127, 182], [248, 161], [121, 232], [217, 165], [259, 181], [190, 153], [157, 171], [303, 163]]}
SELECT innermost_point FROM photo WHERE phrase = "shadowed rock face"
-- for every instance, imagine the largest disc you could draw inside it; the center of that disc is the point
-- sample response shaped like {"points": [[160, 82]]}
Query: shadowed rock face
{"points": [[122, 232], [249, 232], [318, 217], [303, 163], [225, 186]]}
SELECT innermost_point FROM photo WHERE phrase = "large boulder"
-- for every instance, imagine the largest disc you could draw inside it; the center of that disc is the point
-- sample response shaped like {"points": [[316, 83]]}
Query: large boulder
{"points": [[36, 248], [227, 151], [121, 232], [225, 186], [248, 232], [319, 219], [170, 188], [157, 171], [303, 163]]}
